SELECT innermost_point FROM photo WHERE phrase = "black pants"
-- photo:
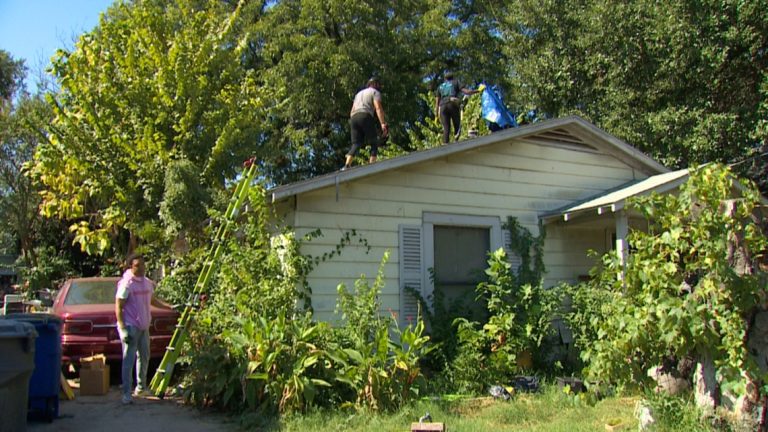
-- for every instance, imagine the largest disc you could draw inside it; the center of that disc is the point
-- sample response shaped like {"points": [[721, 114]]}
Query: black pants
{"points": [[450, 112], [363, 128]]}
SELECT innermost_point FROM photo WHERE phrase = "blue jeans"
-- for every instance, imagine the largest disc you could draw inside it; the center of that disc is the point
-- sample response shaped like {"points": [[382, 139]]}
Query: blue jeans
{"points": [[138, 342]]}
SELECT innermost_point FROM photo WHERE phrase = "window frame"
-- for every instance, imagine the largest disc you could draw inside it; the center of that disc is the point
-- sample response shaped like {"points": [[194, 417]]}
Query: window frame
{"points": [[430, 219]]}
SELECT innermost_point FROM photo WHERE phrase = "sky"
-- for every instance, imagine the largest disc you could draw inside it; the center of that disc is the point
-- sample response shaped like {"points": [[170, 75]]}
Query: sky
{"points": [[34, 29]]}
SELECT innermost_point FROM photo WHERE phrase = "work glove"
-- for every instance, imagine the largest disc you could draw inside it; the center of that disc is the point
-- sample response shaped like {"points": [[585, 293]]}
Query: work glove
{"points": [[125, 335], [481, 87]]}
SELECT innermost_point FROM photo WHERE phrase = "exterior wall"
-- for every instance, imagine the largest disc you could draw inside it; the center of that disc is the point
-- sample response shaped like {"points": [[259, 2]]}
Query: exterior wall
{"points": [[567, 245], [565, 252], [517, 178]]}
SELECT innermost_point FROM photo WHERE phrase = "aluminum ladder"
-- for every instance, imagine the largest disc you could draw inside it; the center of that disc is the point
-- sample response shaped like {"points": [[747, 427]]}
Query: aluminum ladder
{"points": [[164, 371]]}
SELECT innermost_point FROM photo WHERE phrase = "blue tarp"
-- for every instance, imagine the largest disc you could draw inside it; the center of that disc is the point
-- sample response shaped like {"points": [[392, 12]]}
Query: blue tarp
{"points": [[494, 110]]}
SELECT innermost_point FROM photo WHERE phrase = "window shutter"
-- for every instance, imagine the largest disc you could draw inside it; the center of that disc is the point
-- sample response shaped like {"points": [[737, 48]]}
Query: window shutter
{"points": [[410, 271], [513, 258]]}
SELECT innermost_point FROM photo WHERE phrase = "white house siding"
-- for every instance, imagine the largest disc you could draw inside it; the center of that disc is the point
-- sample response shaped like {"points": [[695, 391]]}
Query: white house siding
{"points": [[565, 252], [517, 178]]}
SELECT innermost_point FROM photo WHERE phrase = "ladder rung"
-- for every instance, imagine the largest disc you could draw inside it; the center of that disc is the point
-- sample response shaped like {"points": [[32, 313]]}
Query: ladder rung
{"points": [[170, 348], [162, 371]]}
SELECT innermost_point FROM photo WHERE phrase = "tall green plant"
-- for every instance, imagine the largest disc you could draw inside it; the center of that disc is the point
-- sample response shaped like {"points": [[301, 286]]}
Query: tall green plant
{"points": [[271, 364], [256, 348], [255, 345], [689, 286], [285, 365], [377, 360], [520, 317]]}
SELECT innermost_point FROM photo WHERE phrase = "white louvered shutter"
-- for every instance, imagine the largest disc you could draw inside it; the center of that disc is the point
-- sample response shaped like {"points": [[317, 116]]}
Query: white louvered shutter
{"points": [[410, 271], [512, 257]]}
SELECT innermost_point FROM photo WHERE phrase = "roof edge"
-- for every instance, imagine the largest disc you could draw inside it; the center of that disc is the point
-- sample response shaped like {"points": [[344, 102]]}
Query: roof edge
{"points": [[574, 124]]}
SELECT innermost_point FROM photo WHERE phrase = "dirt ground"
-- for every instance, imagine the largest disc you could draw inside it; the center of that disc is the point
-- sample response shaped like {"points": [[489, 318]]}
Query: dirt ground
{"points": [[106, 413]]}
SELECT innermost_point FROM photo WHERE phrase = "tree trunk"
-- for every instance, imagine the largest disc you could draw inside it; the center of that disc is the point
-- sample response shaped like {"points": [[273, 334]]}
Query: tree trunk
{"points": [[707, 394]]}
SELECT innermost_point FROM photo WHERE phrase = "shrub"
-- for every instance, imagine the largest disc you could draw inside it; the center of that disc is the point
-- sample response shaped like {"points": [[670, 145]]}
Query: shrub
{"points": [[381, 369], [688, 288], [519, 320], [255, 347]]}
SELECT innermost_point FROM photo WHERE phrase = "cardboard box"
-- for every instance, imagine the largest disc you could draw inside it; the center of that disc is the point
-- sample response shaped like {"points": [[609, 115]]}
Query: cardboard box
{"points": [[93, 362], [94, 381]]}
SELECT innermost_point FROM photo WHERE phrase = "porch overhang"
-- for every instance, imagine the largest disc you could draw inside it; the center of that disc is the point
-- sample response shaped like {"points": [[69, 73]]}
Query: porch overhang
{"points": [[614, 201]]}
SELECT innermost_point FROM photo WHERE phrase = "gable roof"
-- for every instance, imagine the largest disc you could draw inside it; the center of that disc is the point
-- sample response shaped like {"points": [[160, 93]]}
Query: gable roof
{"points": [[568, 131]]}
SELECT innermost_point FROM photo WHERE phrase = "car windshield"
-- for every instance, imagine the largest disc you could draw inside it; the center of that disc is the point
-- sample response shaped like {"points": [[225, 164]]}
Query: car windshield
{"points": [[91, 292]]}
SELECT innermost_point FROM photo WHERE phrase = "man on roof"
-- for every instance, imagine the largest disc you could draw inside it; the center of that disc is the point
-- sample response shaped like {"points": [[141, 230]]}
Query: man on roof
{"points": [[366, 107], [448, 105]]}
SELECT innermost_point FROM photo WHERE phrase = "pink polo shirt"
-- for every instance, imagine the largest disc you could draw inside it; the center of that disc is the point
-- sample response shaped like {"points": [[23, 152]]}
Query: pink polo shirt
{"points": [[137, 293]]}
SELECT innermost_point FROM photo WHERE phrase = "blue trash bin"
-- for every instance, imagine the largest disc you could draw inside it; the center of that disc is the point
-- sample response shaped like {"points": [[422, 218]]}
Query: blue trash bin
{"points": [[45, 384]]}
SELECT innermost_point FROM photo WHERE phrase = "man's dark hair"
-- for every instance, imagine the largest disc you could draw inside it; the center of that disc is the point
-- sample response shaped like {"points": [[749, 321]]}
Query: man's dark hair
{"points": [[448, 75], [374, 80], [131, 258]]}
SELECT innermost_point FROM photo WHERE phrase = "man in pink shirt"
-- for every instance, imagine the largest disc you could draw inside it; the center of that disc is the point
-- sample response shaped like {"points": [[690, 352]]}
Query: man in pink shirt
{"points": [[135, 295]]}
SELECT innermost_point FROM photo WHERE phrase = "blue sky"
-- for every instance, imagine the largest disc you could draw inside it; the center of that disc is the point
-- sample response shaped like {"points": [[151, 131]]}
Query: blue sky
{"points": [[34, 29]]}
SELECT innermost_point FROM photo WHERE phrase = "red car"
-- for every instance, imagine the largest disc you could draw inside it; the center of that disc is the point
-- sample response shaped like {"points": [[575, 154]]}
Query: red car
{"points": [[87, 308]]}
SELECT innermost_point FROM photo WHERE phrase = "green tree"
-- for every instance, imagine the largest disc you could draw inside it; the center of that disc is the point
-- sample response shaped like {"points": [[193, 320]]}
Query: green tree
{"points": [[21, 131], [11, 77], [153, 84], [315, 54], [186, 90], [43, 246], [690, 286], [682, 80]]}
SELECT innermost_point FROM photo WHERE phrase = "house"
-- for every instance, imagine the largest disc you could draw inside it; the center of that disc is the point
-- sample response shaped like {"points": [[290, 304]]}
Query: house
{"points": [[440, 211]]}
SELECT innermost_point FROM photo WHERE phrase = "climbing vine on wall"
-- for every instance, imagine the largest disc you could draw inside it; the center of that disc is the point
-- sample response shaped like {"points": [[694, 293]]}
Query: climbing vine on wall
{"points": [[529, 248]]}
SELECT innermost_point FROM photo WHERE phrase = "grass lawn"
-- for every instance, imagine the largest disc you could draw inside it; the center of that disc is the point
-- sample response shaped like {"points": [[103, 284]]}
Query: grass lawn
{"points": [[550, 410]]}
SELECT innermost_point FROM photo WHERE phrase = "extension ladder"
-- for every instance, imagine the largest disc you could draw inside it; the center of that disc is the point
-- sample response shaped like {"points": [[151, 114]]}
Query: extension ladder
{"points": [[164, 371]]}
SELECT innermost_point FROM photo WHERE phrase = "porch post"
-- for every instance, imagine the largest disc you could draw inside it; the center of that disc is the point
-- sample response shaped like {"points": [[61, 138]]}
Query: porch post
{"points": [[622, 230]]}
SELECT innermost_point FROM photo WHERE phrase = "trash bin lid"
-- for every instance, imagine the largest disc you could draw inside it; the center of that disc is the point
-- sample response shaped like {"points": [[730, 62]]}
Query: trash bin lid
{"points": [[38, 318], [16, 329]]}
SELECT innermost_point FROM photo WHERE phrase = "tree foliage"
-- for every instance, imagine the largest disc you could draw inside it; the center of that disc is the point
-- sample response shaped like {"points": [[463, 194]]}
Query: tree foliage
{"points": [[21, 132], [154, 83], [11, 76], [315, 54], [209, 83], [43, 246], [689, 287], [684, 81]]}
